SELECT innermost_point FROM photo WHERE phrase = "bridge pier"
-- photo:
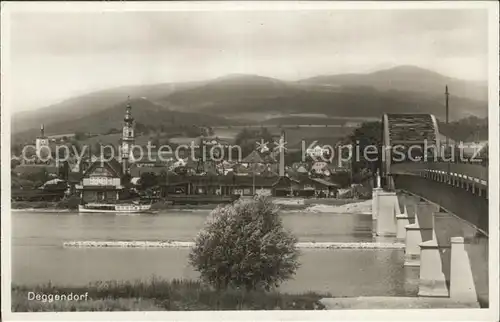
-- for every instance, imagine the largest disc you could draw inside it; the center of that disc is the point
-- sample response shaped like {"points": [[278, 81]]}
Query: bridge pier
{"points": [[432, 281], [402, 220], [419, 232], [386, 211], [375, 208], [462, 287]]}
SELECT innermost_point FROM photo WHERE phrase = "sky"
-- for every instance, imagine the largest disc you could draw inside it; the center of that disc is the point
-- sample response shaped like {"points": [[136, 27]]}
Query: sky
{"points": [[55, 56]]}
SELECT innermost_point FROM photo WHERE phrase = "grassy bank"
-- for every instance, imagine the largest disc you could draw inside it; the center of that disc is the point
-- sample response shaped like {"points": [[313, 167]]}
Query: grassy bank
{"points": [[158, 295]]}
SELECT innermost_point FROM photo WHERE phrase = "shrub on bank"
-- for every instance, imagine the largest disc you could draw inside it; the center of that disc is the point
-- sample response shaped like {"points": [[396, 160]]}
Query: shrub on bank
{"points": [[177, 295], [245, 246]]}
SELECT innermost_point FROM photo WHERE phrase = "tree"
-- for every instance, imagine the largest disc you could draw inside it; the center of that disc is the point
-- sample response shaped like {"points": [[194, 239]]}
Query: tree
{"points": [[16, 149], [369, 134], [140, 128], [245, 246], [148, 180], [75, 147], [14, 163], [37, 177], [156, 142], [467, 129]]}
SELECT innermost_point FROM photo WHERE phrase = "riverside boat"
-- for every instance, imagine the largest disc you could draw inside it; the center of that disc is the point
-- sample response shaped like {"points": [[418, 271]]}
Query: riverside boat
{"points": [[114, 208]]}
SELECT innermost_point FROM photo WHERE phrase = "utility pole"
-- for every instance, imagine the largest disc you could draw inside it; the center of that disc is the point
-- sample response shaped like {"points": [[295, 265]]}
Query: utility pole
{"points": [[447, 96]]}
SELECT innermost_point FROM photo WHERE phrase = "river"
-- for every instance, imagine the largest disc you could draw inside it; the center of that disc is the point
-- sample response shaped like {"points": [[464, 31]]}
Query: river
{"points": [[39, 257]]}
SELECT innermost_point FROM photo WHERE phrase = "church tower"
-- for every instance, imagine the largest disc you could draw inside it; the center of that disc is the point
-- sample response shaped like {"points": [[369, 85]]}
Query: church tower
{"points": [[128, 138], [42, 144]]}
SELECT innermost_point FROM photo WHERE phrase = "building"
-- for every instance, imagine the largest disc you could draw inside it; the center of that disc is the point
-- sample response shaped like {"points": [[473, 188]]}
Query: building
{"points": [[59, 137], [101, 182], [227, 185], [42, 145], [128, 138]]}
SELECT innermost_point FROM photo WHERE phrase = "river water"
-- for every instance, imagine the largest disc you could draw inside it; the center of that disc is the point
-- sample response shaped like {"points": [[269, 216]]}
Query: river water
{"points": [[38, 255]]}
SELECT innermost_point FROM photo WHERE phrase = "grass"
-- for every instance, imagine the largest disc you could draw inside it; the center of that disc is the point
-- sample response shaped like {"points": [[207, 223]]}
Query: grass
{"points": [[158, 294]]}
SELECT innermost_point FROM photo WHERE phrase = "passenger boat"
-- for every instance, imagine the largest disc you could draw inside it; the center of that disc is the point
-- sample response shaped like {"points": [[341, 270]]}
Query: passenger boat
{"points": [[114, 208]]}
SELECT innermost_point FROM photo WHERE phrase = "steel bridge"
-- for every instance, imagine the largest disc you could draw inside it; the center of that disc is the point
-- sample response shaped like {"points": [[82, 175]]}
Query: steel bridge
{"points": [[459, 187]]}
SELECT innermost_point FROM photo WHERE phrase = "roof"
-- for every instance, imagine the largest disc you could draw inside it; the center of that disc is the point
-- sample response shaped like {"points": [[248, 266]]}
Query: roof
{"points": [[154, 157], [268, 158], [54, 181], [74, 176], [138, 171], [302, 169], [113, 165], [320, 165], [325, 182], [228, 180], [253, 157], [21, 183]]}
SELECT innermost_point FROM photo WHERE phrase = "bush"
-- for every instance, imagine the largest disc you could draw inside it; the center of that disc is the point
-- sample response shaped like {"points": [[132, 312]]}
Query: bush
{"points": [[245, 246]]}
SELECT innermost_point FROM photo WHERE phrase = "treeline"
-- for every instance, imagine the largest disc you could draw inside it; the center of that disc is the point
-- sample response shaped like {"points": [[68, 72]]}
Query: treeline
{"points": [[467, 129]]}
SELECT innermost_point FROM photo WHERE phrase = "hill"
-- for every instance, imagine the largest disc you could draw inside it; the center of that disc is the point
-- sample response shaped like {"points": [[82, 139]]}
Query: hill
{"points": [[78, 107], [249, 94], [407, 79], [396, 90], [236, 97], [144, 111]]}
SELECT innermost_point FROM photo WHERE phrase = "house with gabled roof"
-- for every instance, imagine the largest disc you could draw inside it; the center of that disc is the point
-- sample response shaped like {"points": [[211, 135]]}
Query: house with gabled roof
{"points": [[101, 181]]}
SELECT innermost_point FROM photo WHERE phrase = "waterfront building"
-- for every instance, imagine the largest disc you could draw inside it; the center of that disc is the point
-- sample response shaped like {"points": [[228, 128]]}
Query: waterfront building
{"points": [[101, 182], [226, 185]]}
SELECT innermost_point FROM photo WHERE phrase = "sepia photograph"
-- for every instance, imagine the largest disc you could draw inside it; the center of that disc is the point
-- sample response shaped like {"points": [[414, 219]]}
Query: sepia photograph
{"points": [[250, 160]]}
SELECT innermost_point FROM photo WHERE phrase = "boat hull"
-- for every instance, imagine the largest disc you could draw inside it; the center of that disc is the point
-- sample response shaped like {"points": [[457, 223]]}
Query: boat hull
{"points": [[125, 209]]}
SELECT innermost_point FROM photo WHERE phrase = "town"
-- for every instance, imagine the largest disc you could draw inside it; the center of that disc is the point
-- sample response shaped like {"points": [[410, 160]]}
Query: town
{"points": [[223, 158], [195, 179]]}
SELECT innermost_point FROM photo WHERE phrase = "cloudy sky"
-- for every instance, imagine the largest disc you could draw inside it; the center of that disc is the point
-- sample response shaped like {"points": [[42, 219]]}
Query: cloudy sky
{"points": [[55, 56]]}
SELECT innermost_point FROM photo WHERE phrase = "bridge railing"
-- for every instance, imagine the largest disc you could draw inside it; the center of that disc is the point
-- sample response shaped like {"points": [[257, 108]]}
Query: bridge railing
{"points": [[467, 172]]}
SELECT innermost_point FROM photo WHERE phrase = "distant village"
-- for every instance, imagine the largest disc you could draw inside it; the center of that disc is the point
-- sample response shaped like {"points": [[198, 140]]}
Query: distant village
{"points": [[162, 176]]}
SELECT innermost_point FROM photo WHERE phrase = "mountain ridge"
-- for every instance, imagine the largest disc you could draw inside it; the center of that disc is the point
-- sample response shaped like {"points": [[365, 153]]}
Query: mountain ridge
{"points": [[394, 90]]}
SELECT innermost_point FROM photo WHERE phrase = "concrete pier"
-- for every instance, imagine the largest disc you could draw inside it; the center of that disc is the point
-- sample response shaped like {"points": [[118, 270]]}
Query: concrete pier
{"points": [[402, 220], [419, 232], [375, 193], [412, 244], [387, 204], [432, 281], [462, 287]]}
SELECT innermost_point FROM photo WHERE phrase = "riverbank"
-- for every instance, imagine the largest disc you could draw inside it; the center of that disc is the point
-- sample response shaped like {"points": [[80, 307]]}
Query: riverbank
{"points": [[42, 205], [155, 295], [313, 205]]}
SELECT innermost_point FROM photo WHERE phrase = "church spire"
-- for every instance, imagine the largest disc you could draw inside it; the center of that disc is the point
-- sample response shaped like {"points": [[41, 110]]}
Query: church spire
{"points": [[128, 113], [128, 137], [42, 130]]}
